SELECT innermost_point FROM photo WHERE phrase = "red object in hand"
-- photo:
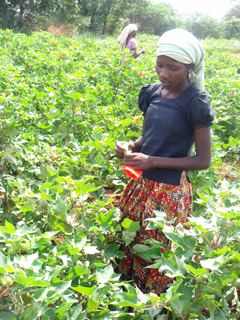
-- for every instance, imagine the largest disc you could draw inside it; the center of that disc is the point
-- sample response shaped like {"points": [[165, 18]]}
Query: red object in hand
{"points": [[131, 172]]}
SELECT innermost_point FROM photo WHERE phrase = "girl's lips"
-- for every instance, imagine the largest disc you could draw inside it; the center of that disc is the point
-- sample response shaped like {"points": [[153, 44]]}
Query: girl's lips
{"points": [[165, 83]]}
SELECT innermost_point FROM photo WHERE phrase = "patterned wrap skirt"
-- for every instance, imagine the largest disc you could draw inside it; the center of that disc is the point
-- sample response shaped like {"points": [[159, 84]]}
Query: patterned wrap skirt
{"points": [[140, 198]]}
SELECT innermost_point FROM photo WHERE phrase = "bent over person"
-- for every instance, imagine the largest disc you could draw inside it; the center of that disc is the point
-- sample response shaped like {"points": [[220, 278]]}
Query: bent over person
{"points": [[177, 113], [127, 40]]}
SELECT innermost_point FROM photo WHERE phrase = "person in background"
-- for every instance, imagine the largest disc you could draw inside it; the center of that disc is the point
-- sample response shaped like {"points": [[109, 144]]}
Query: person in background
{"points": [[177, 113], [127, 40]]}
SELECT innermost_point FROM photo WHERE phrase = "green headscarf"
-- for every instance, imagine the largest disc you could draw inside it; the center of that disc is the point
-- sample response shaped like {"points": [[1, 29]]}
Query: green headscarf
{"points": [[182, 46]]}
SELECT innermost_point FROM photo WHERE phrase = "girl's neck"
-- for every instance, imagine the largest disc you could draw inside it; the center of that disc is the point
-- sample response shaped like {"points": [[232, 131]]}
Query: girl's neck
{"points": [[175, 92]]}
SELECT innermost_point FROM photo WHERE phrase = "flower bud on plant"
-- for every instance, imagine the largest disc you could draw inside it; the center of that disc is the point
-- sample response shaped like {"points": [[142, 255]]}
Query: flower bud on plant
{"points": [[74, 197], [222, 222], [209, 235], [232, 225], [68, 199], [44, 203], [197, 259]]}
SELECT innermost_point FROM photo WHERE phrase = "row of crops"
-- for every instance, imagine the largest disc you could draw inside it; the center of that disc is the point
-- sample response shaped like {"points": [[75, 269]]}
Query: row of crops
{"points": [[63, 105]]}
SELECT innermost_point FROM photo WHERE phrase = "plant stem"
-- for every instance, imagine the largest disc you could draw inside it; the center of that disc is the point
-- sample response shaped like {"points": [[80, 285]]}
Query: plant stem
{"points": [[197, 294], [52, 215]]}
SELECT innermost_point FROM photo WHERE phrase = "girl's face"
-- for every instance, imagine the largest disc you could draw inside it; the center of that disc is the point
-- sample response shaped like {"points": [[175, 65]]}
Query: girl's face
{"points": [[172, 74], [134, 33]]}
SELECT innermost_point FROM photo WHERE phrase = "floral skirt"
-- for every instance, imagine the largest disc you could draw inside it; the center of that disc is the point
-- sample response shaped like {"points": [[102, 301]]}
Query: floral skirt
{"points": [[140, 198]]}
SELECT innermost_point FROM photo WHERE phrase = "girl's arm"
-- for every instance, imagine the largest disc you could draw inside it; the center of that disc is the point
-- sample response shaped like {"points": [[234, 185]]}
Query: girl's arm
{"points": [[137, 54], [201, 160]]}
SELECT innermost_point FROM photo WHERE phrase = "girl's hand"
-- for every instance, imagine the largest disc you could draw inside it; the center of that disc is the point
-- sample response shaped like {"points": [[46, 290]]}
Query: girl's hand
{"points": [[121, 147], [139, 161]]}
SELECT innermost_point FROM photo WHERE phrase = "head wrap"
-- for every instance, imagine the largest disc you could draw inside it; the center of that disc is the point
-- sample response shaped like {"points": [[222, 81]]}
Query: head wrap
{"points": [[122, 39], [182, 46]]}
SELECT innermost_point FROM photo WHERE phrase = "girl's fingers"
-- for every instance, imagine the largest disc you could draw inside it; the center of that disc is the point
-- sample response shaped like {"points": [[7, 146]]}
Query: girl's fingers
{"points": [[129, 156]]}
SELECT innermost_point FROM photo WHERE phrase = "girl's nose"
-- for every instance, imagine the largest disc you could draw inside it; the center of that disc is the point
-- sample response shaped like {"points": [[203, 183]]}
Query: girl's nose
{"points": [[163, 73]]}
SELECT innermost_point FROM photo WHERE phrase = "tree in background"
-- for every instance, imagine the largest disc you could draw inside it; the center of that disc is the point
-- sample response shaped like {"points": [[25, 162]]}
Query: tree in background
{"points": [[232, 29], [20, 15], [155, 18], [110, 16], [13, 13], [232, 21], [203, 25], [106, 15], [233, 13]]}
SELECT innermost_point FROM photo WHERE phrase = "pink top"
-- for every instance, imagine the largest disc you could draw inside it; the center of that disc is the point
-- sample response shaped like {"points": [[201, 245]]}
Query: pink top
{"points": [[132, 44]]}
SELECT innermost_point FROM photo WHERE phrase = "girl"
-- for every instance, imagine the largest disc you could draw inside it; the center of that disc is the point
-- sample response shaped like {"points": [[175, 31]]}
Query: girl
{"points": [[127, 40], [176, 113]]}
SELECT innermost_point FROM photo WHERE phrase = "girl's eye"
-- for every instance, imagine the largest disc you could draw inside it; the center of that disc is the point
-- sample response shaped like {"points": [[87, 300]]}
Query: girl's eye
{"points": [[174, 69]]}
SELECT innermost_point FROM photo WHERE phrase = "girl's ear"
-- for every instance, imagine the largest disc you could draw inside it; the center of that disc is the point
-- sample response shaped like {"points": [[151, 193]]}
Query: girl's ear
{"points": [[191, 67]]}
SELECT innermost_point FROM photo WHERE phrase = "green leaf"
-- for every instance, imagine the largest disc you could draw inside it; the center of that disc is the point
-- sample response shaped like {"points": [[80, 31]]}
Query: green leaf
{"points": [[8, 228], [46, 185], [87, 291], [77, 313], [113, 250], [173, 236], [214, 263], [64, 308], [130, 225], [3, 261], [60, 285], [30, 281], [182, 303], [173, 268], [30, 313], [7, 316], [52, 171], [61, 207], [106, 274], [40, 294], [129, 237], [92, 305], [85, 188], [79, 271], [211, 306], [141, 251], [27, 207], [125, 299], [197, 272]]}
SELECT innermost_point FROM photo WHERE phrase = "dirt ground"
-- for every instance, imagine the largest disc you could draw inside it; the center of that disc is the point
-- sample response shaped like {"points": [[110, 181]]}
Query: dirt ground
{"points": [[60, 30]]}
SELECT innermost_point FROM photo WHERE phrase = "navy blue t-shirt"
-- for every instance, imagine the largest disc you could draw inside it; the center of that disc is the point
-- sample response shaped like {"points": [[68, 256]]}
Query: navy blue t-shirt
{"points": [[169, 126]]}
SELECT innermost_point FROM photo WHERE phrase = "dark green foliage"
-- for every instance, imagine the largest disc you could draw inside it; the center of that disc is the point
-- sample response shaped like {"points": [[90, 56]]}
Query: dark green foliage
{"points": [[19, 15], [203, 25], [110, 16], [232, 29], [155, 18], [233, 13]]}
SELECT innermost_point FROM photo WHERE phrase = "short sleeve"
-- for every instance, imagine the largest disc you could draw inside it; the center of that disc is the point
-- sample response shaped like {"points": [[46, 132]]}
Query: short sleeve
{"points": [[143, 98], [132, 45], [200, 111]]}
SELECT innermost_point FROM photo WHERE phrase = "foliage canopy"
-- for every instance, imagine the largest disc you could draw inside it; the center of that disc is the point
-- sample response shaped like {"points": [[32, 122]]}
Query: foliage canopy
{"points": [[110, 16]]}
